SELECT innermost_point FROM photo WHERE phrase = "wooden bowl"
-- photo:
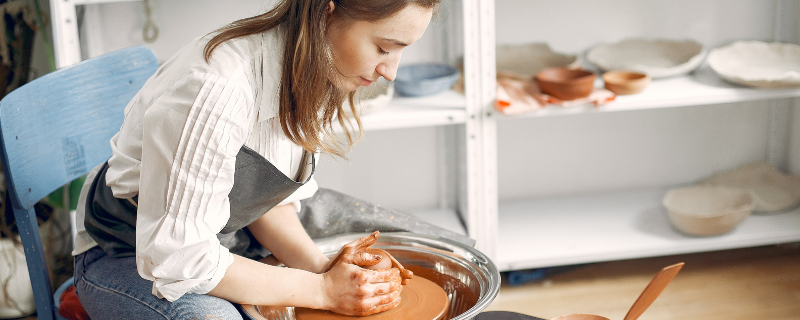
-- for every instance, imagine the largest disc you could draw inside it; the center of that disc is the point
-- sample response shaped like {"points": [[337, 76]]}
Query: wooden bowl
{"points": [[566, 84], [624, 82], [708, 210]]}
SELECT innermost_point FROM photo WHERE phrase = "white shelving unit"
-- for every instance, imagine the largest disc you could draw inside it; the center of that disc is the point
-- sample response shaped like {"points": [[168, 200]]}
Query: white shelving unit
{"points": [[585, 227], [550, 230]]}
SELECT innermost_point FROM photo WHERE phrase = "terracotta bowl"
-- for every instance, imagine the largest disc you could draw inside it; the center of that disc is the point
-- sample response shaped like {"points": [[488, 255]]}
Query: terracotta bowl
{"points": [[708, 210], [625, 82], [580, 316], [566, 84]]}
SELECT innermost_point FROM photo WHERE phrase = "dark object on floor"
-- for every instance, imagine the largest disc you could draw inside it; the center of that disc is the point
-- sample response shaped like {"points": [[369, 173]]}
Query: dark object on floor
{"points": [[504, 315], [515, 278]]}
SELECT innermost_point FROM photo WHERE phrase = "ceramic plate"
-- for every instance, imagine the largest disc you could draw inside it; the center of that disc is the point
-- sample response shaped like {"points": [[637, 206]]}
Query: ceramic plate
{"points": [[658, 58], [758, 64], [527, 60], [774, 191]]}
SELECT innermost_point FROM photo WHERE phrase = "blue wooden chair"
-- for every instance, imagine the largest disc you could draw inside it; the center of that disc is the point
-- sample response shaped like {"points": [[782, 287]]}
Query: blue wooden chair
{"points": [[57, 128]]}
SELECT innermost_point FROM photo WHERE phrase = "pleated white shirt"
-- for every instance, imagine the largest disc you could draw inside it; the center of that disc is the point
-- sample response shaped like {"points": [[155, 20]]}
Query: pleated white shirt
{"points": [[177, 150]]}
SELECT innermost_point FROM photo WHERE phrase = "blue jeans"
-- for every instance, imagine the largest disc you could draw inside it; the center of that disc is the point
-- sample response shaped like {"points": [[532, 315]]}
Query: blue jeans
{"points": [[111, 288]]}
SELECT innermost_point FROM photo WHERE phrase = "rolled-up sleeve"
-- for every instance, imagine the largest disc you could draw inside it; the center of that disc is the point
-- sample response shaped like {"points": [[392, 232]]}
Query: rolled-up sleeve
{"points": [[191, 135]]}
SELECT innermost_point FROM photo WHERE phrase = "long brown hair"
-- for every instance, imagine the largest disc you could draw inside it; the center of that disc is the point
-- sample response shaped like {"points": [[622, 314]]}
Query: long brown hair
{"points": [[309, 101]]}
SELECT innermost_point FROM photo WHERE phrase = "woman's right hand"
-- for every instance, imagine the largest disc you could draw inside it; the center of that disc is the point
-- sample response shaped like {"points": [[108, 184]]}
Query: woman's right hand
{"points": [[352, 290]]}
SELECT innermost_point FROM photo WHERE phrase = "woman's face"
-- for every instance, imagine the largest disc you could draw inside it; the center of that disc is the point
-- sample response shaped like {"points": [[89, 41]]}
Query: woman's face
{"points": [[363, 51]]}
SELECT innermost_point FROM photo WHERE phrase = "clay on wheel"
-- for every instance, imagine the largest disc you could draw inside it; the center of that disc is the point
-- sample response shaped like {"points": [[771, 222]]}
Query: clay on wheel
{"points": [[386, 261]]}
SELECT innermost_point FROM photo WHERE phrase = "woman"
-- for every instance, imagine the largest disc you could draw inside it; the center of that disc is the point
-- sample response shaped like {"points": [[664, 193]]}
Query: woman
{"points": [[221, 142]]}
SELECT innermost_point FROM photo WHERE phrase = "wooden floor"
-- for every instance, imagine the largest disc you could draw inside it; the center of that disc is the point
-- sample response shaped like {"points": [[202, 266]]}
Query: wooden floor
{"points": [[741, 284]]}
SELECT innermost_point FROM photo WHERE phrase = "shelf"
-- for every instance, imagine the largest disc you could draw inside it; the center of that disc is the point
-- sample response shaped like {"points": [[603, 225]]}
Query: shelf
{"points": [[445, 108], [609, 226], [703, 87]]}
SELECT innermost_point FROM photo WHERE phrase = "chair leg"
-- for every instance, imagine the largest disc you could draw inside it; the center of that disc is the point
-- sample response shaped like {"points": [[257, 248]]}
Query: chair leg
{"points": [[37, 264]]}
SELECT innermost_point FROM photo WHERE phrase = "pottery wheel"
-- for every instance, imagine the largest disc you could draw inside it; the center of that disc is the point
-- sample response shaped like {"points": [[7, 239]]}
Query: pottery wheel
{"points": [[420, 299]]}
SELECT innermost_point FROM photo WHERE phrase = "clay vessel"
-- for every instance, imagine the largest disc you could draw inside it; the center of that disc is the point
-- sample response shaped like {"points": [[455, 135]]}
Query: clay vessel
{"points": [[386, 261], [625, 82], [566, 84]]}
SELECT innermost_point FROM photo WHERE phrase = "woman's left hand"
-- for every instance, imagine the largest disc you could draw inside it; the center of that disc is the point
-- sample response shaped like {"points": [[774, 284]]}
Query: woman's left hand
{"points": [[360, 248]]}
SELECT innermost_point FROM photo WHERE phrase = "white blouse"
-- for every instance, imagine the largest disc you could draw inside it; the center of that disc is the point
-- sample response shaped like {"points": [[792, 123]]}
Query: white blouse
{"points": [[177, 150]]}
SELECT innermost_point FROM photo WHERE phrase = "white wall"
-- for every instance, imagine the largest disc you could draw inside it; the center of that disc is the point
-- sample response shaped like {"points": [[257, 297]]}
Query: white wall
{"points": [[118, 25], [394, 168], [612, 151], [711, 22]]}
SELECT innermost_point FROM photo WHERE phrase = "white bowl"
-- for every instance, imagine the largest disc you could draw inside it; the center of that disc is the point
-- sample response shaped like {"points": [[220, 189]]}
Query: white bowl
{"points": [[708, 210], [758, 64], [658, 58], [371, 99], [527, 60], [774, 191]]}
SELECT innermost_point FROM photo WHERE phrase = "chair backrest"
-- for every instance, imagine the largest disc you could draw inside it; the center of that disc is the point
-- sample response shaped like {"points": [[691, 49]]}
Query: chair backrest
{"points": [[57, 128]]}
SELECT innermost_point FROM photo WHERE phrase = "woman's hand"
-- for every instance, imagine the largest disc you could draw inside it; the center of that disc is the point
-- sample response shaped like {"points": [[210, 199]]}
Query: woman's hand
{"points": [[357, 248], [405, 274], [352, 290], [365, 256]]}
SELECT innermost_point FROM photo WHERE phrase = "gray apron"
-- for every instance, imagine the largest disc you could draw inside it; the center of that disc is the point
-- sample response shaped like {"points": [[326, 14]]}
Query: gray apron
{"points": [[257, 187]]}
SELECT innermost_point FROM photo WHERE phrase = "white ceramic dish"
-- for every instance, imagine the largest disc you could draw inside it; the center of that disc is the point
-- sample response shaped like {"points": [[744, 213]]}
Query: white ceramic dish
{"points": [[527, 60], [658, 58], [708, 210], [758, 64], [774, 191], [371, 99]]}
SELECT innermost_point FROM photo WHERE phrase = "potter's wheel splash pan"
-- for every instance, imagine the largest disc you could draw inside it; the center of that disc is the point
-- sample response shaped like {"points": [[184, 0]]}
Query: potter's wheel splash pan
{"points": [[469, 278]]}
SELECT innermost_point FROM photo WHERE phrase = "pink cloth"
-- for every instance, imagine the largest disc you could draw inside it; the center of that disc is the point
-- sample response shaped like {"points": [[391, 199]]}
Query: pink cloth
{"points": [[517, 95]]}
